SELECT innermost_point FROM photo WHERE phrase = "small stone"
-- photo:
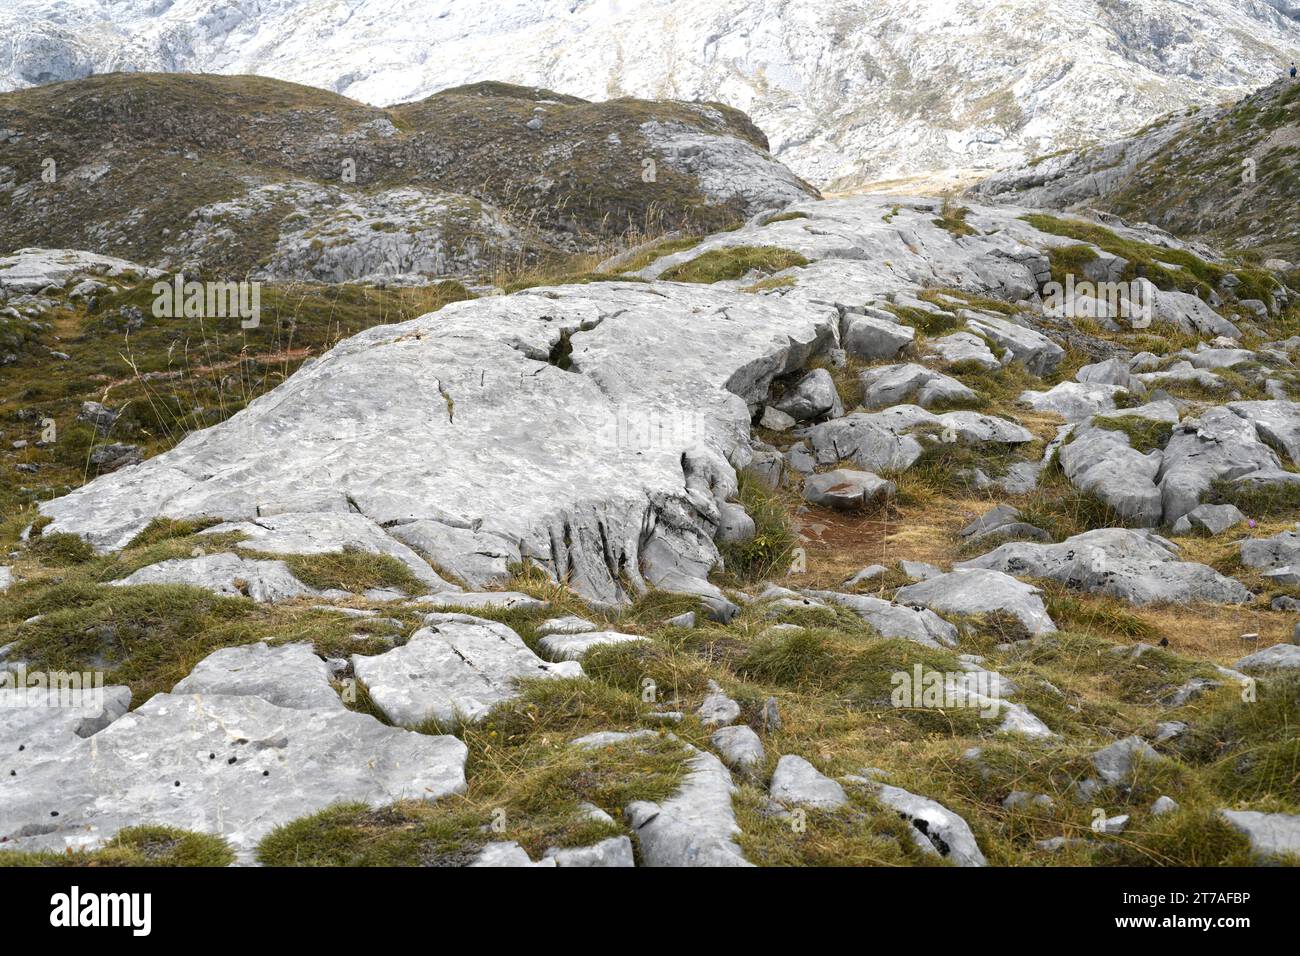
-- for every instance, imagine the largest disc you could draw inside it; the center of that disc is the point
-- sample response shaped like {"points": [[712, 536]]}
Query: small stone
{"points": [[797, 782], [1164, 805]]}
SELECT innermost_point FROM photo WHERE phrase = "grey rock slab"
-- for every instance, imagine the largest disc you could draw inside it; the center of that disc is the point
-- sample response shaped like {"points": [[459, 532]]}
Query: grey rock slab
{"points": [[1039, 354], [696, 826], [572, 647], [1270, 834], [269, 765], [327, 532], [890, 619], [872, 339], [457, 668], [1138, 566], [996, 517], [1103, 462], [776, 420], [686, 620], [605, 472], [1073, 401], [1277, 551], [980, 591], [470, 600], [1279, 657], [937, 828], [869, 573], [288, 675], [31, 270], [1276, 422], [1109, 372], [226, 574], [918, 570], [1218, 445], [613, 852], [571, 624], [717, 709], [506, 854], [796, 782], [962, 347], [888, 385], [847, 490], [1212, 519], [41, 724], [1116, 763], [873, 442], [6, 578], [739, 747]]}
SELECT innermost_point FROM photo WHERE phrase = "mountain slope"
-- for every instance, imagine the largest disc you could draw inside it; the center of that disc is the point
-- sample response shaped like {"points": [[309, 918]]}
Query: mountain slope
{"points": [[847, 89], [246, 174], [1228, 175]]}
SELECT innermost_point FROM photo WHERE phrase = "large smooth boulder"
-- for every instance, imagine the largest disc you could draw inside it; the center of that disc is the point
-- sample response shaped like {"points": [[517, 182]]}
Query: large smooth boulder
{"points": [[980, 591], [1103, 462]]}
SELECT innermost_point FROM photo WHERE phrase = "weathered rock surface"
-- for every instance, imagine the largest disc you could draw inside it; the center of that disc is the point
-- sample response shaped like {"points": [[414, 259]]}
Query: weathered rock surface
{"points": [[1117, 763], [289, 675], [456, 668], [740, 748], [572, 647], [891, 619], [1139, 566], [1270, 834], [1279, 657], [847, 490], [696, 826], [233, 766], [937, 829], [324, 533], [796, 782], [980, 591], [226, 574], [895, 384]]}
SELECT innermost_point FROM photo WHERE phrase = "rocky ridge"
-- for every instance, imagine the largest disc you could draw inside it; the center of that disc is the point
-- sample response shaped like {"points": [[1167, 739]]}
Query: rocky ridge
{"points": [[606, 445]]}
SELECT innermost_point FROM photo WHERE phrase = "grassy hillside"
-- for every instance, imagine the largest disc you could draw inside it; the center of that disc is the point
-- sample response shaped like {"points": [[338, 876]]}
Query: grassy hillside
{"points": [[209, 170]]}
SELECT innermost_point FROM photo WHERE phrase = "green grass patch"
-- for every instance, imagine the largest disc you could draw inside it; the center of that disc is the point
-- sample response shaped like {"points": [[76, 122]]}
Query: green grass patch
{"points": [[144, 846], [734, 262]]}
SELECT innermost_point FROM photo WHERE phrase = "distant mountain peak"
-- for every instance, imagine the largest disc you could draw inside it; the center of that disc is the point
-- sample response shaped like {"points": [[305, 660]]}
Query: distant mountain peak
{"points": [[847, 90]]}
